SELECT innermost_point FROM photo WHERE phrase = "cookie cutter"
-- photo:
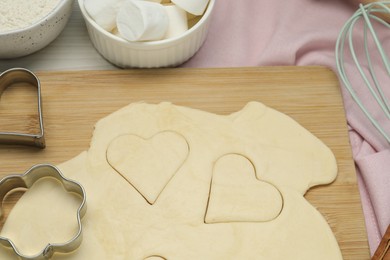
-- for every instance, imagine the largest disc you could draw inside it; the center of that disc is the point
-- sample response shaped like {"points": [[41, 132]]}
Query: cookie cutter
{"points": [[18, 75], [27, 180]]}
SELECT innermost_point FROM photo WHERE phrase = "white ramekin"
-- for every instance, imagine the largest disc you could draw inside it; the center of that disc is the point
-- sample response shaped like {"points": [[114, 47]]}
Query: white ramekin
{"points": [[164, 53], [22, 42]]}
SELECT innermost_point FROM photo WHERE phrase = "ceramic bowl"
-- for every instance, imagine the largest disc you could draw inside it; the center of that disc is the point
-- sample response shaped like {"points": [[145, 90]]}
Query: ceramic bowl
{"points": [[25, 41], [152, 54]]}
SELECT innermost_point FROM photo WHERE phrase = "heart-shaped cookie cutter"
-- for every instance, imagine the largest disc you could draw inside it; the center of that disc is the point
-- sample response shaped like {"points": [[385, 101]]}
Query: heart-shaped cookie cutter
{"points": [[27, 180], [17, 75]]}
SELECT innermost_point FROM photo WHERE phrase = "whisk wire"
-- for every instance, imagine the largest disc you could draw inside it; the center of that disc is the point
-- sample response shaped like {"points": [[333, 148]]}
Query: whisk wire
{"points": [[382, 99], [346, 34], [368, 24]]}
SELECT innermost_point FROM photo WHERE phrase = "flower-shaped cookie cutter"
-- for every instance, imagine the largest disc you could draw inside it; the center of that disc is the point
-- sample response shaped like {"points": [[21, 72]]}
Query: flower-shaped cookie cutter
{"points": [[18, 75], [27, 180]]}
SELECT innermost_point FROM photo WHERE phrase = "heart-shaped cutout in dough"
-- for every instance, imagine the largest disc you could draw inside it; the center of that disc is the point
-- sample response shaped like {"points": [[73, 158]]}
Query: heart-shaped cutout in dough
{"points": [[236, 195], [148, 164]]}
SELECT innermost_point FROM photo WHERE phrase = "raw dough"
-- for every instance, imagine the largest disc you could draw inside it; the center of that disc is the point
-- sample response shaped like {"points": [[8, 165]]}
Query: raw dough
{"points": [[121, 224], [237, 196], [148, 164]]}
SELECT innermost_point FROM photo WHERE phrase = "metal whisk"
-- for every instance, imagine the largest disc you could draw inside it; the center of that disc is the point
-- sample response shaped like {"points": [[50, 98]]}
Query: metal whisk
{"points": [[369, 15]]}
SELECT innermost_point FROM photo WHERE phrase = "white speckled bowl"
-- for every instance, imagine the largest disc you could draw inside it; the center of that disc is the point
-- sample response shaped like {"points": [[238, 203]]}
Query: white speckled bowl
{"points": [[22, 42], [153, 54]]}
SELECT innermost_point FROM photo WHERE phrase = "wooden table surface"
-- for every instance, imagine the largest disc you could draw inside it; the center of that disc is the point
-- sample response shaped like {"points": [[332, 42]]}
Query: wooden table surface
{"points": [[74, 100]]}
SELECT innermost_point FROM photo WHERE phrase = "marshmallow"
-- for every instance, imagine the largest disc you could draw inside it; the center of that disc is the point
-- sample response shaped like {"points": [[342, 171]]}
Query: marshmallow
{"points": [[103, 12], [177, 21], [142, 20], [196, 7]]}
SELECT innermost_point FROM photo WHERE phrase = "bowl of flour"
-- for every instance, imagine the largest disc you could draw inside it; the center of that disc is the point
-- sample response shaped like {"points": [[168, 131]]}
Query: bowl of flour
{"points": [[29, 26]]}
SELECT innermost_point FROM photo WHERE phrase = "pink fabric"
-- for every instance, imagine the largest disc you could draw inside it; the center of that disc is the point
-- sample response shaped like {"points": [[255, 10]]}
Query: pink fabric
{"points": [[304, 32]]}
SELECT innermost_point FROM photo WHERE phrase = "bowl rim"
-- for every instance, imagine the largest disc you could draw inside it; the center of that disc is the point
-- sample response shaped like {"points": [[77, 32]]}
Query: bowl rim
{"points": [[44, 19], [146, 44]]}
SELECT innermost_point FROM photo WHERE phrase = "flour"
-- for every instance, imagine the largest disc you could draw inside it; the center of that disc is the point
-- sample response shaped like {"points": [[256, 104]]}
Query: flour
{"points": [[17, 14]]}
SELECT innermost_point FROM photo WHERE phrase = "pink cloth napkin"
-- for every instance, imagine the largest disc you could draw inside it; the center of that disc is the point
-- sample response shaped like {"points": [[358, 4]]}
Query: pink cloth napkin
{"points": [[304, 32]]}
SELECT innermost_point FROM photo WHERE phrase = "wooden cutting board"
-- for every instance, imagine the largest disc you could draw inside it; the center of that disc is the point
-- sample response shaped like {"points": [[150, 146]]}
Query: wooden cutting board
{"points": [[74, 101]]}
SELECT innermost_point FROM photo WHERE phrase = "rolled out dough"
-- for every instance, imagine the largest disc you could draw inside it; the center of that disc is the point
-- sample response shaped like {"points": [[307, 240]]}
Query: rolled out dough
{"points": [[196, 213]]}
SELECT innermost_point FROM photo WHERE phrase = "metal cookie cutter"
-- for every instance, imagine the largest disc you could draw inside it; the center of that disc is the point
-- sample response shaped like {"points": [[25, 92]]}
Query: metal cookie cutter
{"points": [[26, 180], [17, 75]]}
